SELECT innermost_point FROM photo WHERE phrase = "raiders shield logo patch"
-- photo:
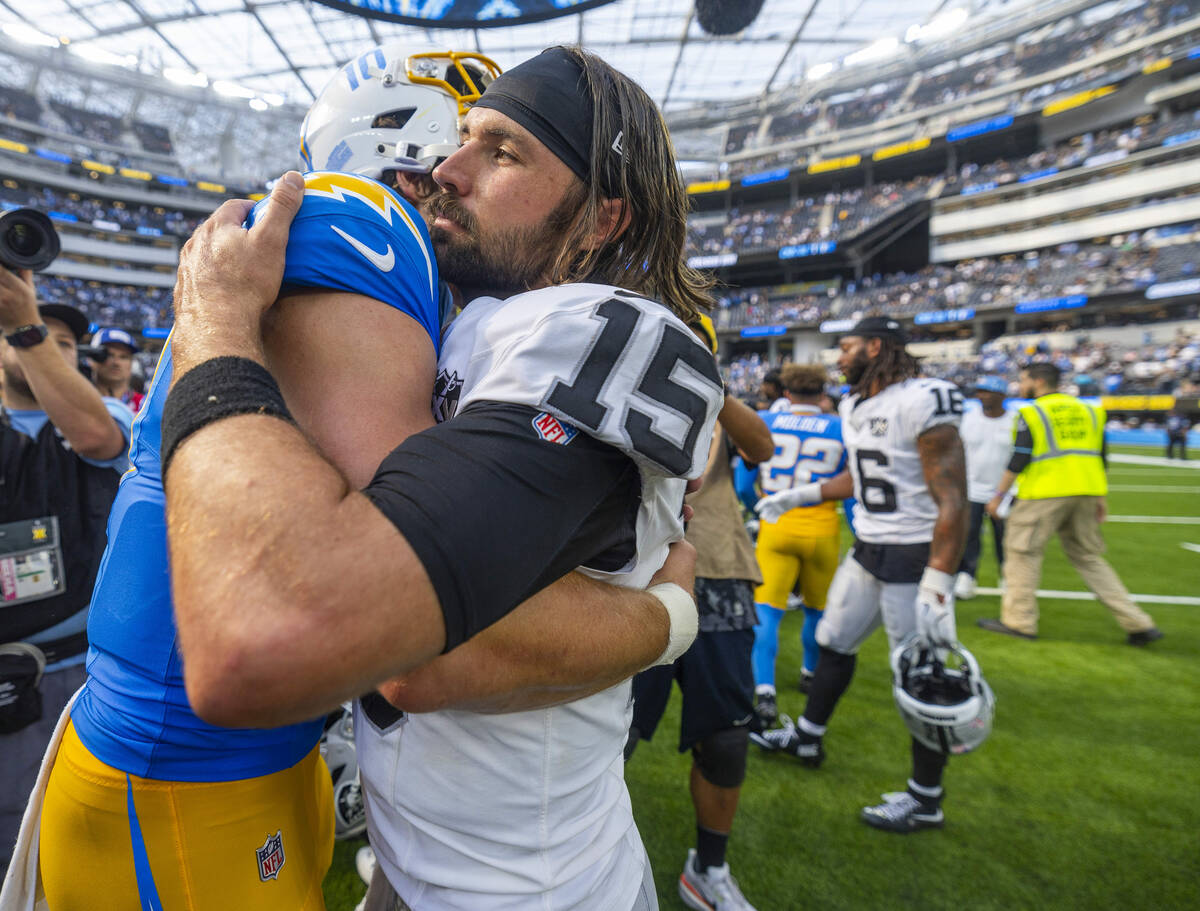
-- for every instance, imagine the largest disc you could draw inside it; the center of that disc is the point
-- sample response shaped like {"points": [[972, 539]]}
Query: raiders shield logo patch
{"points": [[446, 391], [879, 427], [270, 857]]}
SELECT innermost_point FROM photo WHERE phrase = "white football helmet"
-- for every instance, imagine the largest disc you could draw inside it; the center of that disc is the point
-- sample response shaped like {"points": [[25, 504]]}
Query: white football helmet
{"points": [[337, 749], [392, 108], [942, 696]]}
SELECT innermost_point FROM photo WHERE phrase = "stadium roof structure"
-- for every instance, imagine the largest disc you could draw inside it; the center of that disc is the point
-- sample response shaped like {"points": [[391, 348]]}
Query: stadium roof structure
{"points": [[281, 52]]}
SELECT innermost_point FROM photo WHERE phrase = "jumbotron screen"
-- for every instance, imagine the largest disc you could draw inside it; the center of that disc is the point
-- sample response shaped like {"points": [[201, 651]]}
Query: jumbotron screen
{"points": [[463, 13]]}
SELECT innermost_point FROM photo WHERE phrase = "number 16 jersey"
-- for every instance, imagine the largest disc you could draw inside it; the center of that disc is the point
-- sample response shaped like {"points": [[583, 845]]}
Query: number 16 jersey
{"points": [[895, 506]]}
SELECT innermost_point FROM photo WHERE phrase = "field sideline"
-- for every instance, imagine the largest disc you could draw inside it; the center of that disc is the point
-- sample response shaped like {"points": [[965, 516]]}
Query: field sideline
{"points": [[1084, 797]]}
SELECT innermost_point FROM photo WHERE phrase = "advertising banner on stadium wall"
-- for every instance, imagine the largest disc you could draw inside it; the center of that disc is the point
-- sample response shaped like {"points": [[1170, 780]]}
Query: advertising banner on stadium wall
{"points": [[712, 260], [463, 13], [762, 331], [1173, 289]]}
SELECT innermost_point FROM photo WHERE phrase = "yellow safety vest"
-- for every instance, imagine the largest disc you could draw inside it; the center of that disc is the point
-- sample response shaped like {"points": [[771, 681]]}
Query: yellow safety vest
{"points": [[1068, 436]]}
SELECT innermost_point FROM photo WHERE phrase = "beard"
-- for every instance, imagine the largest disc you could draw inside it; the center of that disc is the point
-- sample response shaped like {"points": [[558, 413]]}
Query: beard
{"points": [[501, 262], [856, 368]]}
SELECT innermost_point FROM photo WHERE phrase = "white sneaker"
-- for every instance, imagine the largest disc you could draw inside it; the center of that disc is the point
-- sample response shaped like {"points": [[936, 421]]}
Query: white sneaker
{"points": [[364, 861], [712, 890], [964, 587]]}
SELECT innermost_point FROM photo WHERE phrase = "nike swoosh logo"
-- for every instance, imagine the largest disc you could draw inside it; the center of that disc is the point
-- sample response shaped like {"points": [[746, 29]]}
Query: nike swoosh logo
{"points": [[382, 261]]}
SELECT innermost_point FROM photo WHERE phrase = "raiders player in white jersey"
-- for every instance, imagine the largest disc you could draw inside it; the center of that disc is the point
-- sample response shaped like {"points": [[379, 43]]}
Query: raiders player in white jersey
{"points": [[485, 811], [578, 409], [907, 470]]}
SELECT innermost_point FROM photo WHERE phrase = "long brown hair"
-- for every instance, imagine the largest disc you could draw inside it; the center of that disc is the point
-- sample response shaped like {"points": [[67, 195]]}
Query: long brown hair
{"points": [[893, 364], [648, 256]]}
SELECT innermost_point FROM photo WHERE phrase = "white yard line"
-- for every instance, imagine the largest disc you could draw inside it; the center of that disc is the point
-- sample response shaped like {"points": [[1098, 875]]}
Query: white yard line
{"points": [[1088, 596], [1121, 458], [1156, 520], [1152, 488], [1187, 545]]}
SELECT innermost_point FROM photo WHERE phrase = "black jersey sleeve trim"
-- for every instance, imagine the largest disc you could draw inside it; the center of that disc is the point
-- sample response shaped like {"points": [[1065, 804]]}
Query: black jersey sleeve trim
{"points": [[495, 511]]}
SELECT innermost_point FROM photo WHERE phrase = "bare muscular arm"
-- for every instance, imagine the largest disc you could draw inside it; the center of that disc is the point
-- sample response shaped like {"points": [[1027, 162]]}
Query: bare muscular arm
{"points": [[944, 465], [571, 640]]}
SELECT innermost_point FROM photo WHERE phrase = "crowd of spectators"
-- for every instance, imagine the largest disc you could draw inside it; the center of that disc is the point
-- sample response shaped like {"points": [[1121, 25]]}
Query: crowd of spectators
{"points": [[1077, 151], [136, 307], [1066, 41], [831, 217], [18, 104], [1128, 262], [89, 125], [128, 216], [1088, 367], [843, 214]]}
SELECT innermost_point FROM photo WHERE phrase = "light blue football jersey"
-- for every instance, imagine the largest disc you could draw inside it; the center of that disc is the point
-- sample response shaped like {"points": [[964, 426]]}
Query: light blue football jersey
{"points": [[808, 447], [351, 234]]}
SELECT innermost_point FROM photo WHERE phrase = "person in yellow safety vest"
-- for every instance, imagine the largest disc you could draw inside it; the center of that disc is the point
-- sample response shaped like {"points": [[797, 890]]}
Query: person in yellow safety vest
{"points": [[1060, 456]]}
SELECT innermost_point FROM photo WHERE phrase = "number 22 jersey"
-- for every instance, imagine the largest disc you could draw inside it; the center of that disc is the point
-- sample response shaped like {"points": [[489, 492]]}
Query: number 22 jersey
{"points": [[894, 503], [808, 447]]}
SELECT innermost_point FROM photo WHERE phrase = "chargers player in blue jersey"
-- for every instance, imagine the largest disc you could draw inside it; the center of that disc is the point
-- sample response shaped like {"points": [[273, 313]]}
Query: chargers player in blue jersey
{"points": [[228, 815], [582, 403], [179, 813], [798, 549]]}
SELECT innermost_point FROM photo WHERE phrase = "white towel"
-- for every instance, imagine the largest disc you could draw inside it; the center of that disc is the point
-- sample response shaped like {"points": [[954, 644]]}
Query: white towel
{"points": [[22, 890]]}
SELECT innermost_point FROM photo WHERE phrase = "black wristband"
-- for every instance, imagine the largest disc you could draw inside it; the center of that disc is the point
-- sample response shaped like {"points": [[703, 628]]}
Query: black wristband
{"points": [[218, 388]]}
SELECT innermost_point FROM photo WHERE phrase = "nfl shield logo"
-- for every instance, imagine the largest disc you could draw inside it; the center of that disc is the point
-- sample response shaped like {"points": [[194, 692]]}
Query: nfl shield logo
{"points": [[879, 427], [552, 430], [270, 857]]}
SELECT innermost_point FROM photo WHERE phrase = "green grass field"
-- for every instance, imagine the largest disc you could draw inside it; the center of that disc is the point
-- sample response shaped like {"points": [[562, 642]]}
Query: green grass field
{"points": [[1086, 796]]}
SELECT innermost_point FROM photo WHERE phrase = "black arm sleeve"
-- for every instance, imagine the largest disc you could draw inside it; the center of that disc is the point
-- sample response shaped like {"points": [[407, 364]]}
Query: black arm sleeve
{"points": [[1022, 448], [495, 512]]}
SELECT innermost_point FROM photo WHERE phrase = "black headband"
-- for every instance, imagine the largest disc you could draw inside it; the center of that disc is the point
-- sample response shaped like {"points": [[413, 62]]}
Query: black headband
{"points": [[549, 97]]}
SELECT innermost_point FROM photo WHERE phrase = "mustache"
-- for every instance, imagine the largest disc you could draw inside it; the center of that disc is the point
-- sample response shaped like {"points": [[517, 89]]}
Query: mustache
{"points": [[445, 205]]}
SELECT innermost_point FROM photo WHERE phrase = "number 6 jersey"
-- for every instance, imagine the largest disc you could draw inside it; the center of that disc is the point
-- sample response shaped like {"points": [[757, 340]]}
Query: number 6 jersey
{"points": [[895, 506], [529, 809]]}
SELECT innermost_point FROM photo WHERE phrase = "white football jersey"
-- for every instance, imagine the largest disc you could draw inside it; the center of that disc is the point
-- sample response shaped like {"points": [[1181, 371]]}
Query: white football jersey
{"points": [[894, 505], [529, 809]]}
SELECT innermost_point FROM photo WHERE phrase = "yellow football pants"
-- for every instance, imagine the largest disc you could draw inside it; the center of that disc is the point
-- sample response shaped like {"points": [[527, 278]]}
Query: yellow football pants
{"points": [[209, 846], [784, 558]]}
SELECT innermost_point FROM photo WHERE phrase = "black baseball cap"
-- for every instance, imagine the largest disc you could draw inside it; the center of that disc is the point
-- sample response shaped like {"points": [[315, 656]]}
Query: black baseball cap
{"points": [[879, 327], [75, 318]]}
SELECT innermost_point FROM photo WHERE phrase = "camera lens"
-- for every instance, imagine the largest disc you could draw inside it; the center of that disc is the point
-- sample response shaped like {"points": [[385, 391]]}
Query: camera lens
{"points": [[27, 240], [22, 240]]}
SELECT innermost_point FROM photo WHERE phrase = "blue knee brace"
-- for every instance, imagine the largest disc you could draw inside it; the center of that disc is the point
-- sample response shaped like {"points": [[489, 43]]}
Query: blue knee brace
{"points": [[808, 638]]}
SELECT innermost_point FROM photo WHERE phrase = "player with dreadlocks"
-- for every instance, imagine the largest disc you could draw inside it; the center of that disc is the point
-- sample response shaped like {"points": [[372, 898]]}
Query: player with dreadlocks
{"points": [[906, 468]]}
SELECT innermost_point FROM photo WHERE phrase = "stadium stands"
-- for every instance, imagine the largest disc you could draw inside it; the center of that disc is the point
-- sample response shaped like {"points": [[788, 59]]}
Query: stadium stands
{"points": [[952, 84], [107, 304]]}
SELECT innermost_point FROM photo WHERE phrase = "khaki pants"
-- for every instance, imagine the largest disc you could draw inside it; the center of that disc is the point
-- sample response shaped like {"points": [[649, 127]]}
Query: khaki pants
{"points": [[1030, 527]]}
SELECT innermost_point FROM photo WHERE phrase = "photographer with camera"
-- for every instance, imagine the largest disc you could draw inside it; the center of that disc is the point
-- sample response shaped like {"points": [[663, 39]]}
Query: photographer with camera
{"points": [[62, 453]]}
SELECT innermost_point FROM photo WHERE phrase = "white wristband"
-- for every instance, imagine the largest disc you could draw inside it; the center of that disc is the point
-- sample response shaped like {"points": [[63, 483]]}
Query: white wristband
{"points": [[685, 620], [808, 494], [936, 580]]}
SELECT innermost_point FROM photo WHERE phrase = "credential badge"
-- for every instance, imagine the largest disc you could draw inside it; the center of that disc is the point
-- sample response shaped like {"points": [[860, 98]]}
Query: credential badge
{"points": [[270, 857]]}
